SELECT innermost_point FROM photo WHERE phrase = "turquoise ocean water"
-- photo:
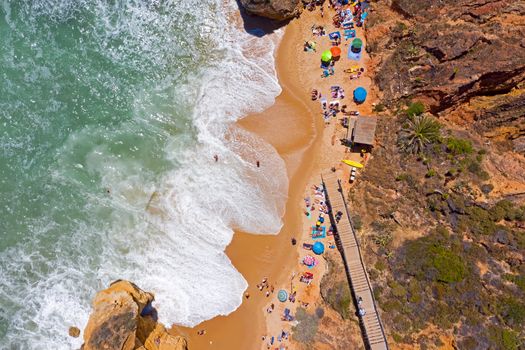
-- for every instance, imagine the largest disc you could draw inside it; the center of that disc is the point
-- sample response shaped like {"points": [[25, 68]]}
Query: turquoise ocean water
{"points": [[110, 114]]}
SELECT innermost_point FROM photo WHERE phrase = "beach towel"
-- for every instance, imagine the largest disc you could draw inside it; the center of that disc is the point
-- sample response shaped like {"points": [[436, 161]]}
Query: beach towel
{"points": [[310, 261], [348, 24], [334, 35], [318, 233], [349, 33]]}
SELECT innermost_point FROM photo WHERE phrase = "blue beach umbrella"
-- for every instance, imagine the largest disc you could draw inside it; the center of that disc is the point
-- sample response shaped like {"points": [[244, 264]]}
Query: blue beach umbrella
{"points": [[359, 95], [318, 248], [282, 296]]}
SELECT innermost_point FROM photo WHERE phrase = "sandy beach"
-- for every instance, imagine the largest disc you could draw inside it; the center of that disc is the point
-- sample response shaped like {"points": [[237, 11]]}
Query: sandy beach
{"points": [[295, 127], [260, 256]]}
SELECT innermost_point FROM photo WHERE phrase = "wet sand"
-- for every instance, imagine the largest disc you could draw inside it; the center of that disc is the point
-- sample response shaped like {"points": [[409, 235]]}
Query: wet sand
{"points": [[290, 126]]}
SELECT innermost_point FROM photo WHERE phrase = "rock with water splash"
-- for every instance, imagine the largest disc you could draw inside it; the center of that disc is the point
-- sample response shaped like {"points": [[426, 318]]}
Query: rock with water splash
{"points": [[123, 319]]}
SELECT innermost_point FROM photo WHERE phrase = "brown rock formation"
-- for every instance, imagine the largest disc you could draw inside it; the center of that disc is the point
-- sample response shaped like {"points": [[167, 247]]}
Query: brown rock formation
{"points": [[74, 332], [274, 9], [123, 319], [465, 59]]}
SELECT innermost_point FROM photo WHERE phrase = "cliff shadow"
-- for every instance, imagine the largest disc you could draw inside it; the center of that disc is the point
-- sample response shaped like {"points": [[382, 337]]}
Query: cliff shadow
{"points": [[259, 26]]}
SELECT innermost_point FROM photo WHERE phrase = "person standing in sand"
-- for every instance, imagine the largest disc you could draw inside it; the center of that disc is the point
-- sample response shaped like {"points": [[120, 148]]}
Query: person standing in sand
{"points": [[258, 164], [216, 157]]}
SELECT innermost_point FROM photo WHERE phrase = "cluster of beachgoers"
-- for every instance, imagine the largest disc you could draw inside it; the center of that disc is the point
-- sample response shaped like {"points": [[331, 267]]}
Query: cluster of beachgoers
{"points": [[304, 281]]}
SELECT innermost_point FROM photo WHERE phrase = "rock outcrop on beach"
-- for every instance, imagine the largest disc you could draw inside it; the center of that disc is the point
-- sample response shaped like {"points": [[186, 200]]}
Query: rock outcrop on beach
{"points": [[464, 59], [278, 10], [123, 319]]}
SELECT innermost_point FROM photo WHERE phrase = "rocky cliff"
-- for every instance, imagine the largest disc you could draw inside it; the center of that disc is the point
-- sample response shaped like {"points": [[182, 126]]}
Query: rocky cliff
{"points": [[442, 230], [464, 59], [123, 319], [274, 9]]}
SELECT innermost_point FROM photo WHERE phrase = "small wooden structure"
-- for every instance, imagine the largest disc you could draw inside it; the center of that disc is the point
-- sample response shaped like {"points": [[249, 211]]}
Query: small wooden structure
{"points": [[363, 133]]}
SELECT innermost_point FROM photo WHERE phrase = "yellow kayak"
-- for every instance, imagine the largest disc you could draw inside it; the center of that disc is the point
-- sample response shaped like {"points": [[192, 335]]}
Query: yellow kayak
{"points": [[352, 163]]}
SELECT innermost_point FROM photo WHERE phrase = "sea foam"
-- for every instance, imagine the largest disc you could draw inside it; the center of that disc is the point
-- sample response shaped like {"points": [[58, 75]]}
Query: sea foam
{"points": [[177, 249]]}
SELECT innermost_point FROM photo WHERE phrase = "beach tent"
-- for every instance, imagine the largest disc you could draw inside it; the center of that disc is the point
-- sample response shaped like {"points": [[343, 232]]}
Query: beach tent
{"points": [[360, 95], [282, 296], [336, 51], [326, 56], [318, 248]]}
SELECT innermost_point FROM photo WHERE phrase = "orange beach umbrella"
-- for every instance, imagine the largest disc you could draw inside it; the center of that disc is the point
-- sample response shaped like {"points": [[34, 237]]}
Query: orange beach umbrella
{"points": [[336, 51]]}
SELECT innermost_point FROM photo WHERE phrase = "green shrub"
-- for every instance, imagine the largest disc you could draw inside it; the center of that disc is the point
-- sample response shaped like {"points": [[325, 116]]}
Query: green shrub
{"points": [[378, 291], [379, 107], [435, 260], [513, 311], [397, 337], [306, 329], [430, 173], [414, 290], [400, 27], [408, 178], [383, 239], [339, 298], [468, 343], [391, 305], [479, 221], [402, 324], [358, 223], [518, 280], [503, 209], [474, 167], [418, 132], [459, 146], [502, 338], [444, 316], [415, 108], [380, 265], [442, 231], [450, 266], [399, 291]]}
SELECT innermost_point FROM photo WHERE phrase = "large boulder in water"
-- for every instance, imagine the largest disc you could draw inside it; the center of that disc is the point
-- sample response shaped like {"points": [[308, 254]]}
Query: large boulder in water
{"points": [[123, 319], [274, 9]]}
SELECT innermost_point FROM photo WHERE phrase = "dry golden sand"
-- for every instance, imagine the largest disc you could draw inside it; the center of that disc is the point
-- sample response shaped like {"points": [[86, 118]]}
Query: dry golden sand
{"points": [[294, 126], [327, 152]]}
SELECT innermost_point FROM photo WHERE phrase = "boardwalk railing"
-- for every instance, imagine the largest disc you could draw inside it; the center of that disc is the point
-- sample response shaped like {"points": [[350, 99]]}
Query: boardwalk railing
{"points": [[371, 327]]}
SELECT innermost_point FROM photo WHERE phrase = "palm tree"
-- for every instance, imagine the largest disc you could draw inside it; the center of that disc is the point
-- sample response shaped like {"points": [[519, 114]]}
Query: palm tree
{"points": [[417, 132]]}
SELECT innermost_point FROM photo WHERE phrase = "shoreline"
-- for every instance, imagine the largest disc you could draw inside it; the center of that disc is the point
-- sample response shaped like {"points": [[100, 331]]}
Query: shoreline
{"points": [[259, 256]]}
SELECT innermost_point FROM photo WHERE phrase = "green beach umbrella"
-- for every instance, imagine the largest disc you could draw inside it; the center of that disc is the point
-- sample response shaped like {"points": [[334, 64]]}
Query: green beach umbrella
{"points": [[357, 43], [326, 56]]}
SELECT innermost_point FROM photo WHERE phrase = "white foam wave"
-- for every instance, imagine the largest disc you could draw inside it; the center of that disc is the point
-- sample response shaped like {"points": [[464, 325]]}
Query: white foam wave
{"points": [[178, 254]]}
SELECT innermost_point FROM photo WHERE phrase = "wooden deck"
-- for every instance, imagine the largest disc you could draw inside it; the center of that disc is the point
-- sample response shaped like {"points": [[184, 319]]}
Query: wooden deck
{"points": [[371, 327]]}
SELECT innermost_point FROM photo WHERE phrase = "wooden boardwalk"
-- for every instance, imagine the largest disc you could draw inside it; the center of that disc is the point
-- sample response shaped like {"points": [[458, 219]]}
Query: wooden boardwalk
{"points": [[371, 327]]}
